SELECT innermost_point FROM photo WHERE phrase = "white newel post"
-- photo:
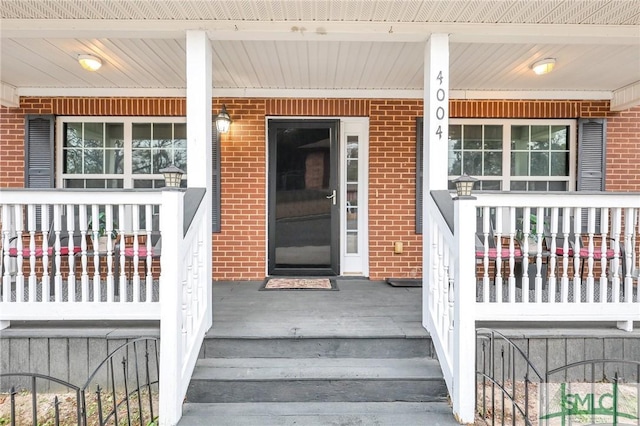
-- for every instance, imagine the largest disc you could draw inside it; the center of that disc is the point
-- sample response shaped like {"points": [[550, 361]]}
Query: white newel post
{"points": [[464, 362], [199, 128], [435, 142], [171, 216]]}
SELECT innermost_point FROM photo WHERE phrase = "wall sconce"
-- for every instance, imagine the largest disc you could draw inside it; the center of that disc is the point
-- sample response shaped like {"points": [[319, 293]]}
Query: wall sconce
{"points": [[544, 66], [172, 176], [223, 121], [464, 185], [90, 62]]}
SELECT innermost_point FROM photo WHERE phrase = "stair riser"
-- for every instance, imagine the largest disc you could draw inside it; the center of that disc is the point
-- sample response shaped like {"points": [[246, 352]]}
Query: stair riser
{"points": [[426, 390], [317, 348]]}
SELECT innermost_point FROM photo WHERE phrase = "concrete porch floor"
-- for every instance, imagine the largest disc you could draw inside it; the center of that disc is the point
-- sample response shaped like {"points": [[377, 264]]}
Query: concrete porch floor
{"points": [[359, 308]]}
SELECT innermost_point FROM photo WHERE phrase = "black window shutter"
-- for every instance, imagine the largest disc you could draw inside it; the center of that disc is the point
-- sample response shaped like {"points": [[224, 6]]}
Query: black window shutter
{"points": [[38, 154], [592, 141], [215, 181], [419, 173]]}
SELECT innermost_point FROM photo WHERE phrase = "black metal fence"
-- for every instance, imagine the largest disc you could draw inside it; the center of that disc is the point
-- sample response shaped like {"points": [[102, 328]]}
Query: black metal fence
{"points": [[123, 389], [511, 391]]}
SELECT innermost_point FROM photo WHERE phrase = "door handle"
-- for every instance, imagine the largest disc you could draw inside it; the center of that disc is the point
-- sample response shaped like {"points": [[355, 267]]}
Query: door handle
{"points": [[332, 197]]}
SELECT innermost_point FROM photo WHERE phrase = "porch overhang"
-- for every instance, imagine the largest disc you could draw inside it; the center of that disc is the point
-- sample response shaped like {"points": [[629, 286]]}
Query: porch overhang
{"points": [[324, 48]]}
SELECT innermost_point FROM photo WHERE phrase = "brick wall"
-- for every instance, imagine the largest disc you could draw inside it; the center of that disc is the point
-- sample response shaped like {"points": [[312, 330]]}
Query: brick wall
{"points": [[240, 249]]}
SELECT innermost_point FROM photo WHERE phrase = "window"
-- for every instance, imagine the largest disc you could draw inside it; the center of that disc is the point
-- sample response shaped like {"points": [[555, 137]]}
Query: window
{"points": [[507, 155], [514, 155], [119, 152]]}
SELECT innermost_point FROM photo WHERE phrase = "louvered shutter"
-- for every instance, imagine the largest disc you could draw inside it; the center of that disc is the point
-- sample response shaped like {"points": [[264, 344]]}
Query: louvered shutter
{"points": [[419, 173], [38, 155], [591, 158], [215, 181]]}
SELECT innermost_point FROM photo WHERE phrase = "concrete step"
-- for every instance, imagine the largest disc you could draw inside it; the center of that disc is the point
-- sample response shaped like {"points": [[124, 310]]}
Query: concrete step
{"points": [[318, 347], [319, 414], [222, 380]]}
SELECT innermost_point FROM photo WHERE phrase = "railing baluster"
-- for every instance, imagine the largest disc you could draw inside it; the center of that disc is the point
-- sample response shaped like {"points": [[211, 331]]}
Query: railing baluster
{"points": [[498, 237], [31, 225], [577, 244], [82, 212], [95, 242], [44, 225], [629, 249], [485, 256], [538, 281], [566, 226], [526, 235], [110, 232], [20, 273], [615, 270], [512, 261], [149, 276], [71, 278], [6, 265], [123, 278], [604, 257], [136, 253], [551, 290]]}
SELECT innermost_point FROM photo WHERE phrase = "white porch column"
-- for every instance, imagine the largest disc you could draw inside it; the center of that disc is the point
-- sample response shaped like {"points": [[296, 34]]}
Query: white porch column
{"points": [[199, 82], [435, 141], [436, 112]]}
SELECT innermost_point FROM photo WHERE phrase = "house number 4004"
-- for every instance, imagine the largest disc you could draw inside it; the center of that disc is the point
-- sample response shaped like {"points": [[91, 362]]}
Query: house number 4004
{"points": [[440, 97]]}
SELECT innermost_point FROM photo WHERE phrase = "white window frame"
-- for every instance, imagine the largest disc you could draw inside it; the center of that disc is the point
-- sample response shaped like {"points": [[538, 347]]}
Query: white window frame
{"points": [[127, 176], [506, 146]]}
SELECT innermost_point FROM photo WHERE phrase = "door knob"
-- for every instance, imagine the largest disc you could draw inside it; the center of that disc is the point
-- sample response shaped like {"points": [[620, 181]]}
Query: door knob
{"points": [[332, 197]]}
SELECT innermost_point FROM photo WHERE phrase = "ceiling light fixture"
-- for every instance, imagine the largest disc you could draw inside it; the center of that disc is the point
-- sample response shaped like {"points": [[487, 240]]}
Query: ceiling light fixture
{"points": [[544, 66], [90, 62]]}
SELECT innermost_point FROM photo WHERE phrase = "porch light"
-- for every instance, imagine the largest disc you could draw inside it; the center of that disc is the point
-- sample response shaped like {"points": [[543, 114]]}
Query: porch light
{"points": [[172, 176], [223, 121], [90, 62], [464, 185], [544, 66]]}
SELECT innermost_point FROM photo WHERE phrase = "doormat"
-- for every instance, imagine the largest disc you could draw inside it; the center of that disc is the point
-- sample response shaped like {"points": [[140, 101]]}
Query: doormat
{"points": [[299, 284], [404, 282]]}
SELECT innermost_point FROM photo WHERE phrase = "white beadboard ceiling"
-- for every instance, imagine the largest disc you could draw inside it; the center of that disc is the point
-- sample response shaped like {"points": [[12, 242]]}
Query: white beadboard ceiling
{"points": [[330, 48]]}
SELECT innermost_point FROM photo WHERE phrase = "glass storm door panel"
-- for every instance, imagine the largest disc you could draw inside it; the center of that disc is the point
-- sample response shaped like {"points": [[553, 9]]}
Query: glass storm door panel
{"points": [[303, 197]]}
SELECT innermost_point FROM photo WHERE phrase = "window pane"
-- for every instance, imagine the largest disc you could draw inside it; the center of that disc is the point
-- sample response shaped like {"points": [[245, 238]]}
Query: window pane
{"points": [[558, 186], [180, 159], [93, 161], [73, 135], [95, 183], [141, 135], [72, 161], [162, 135], [559, 164], [519, 164], [455, 163], [537, 186], [74, 183], [518, 185], [493, 137], [559, 137], [352, 170], [180, 135], [472, 137], [94, 135], [539, 164], [540, 138], [113, 161], [492, 163], [141, 161], [520, 137], [489, 185], [352, 242], [455, 137], [352, 219], [352, 146], [114, 135], [161, 159], [473, 163], [115, 183]]}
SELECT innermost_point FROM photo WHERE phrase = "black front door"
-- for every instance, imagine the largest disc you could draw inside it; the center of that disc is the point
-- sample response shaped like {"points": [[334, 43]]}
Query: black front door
{"points": [[303, 192]]}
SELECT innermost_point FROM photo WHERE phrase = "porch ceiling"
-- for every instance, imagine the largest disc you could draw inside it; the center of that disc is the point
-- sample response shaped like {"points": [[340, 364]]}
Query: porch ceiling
{"points": [[323, 48]]}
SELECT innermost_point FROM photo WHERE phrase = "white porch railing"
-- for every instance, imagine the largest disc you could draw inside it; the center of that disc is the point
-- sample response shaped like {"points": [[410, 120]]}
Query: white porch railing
{"points": [[54, 267], [527, 257]]}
